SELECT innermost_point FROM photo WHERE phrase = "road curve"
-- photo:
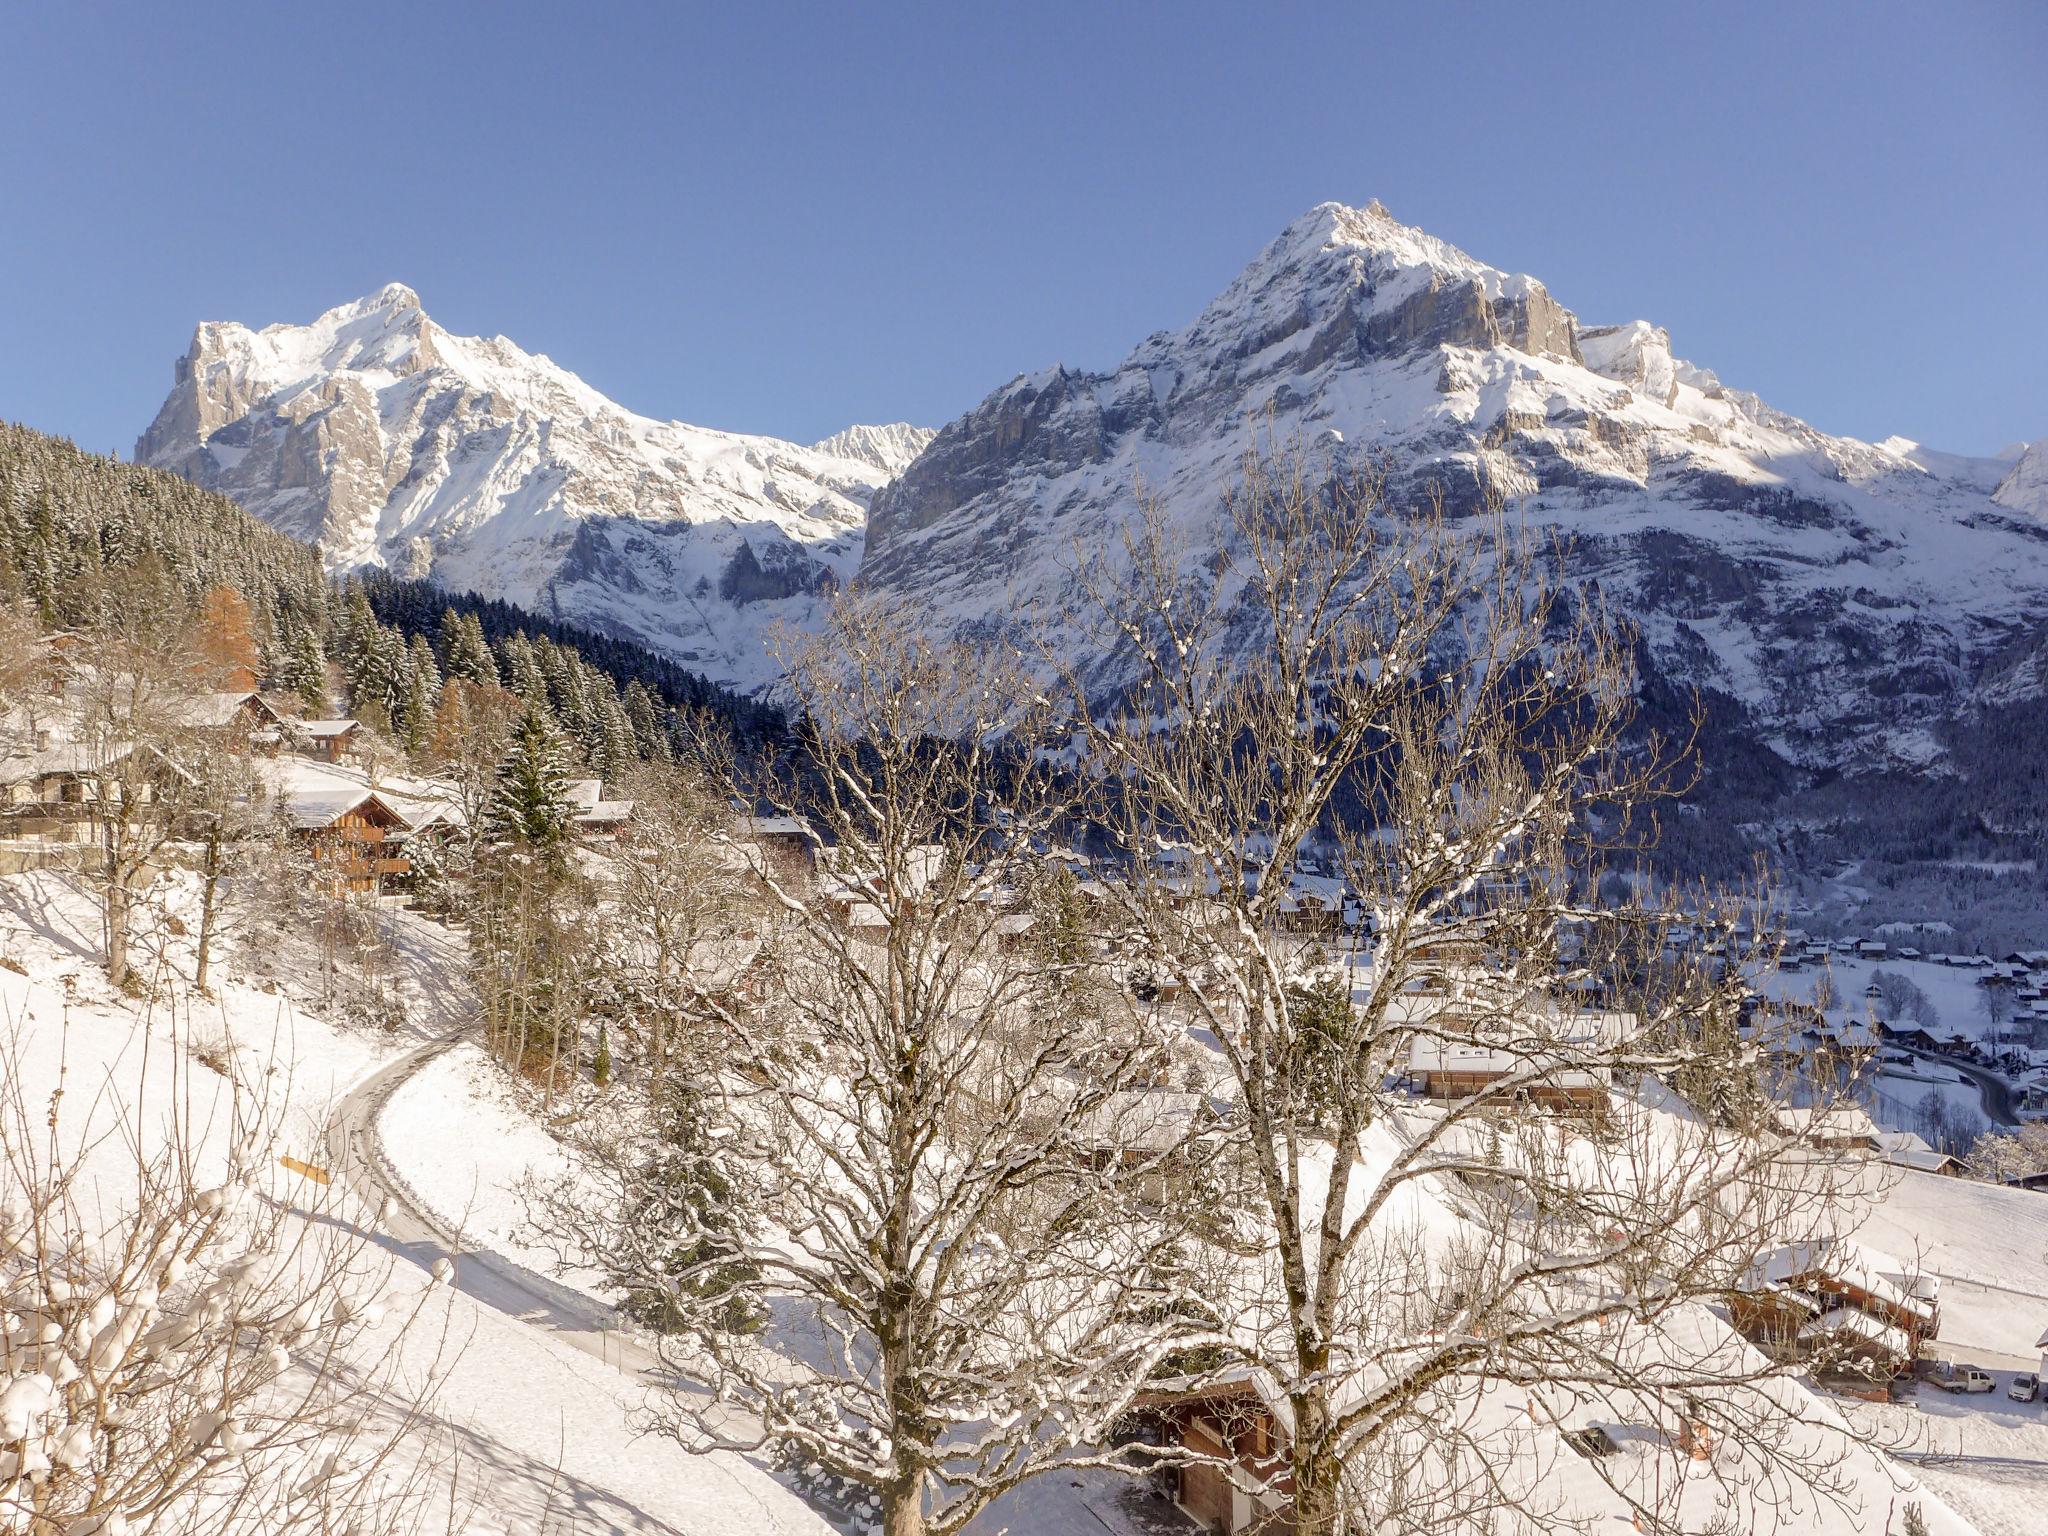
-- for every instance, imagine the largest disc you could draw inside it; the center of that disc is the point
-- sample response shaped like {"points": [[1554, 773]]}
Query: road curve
{"points": [[1994, 1094], [356, 1155]]}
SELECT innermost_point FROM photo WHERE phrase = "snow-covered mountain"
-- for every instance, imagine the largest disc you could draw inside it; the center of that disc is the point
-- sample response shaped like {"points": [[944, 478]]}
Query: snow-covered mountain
{"points": [[1848, 597], [389, 441], [889, 449]]}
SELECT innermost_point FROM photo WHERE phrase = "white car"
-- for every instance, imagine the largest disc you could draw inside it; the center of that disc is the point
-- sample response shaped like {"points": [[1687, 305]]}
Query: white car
{"points": [[2025, 1387]]}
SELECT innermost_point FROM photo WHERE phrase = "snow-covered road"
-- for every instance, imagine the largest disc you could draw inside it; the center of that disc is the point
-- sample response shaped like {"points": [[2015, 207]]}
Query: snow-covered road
{"points": [[356, 1153]]}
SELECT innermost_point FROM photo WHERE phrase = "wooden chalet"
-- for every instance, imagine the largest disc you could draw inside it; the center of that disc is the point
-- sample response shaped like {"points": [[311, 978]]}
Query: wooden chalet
{"points": [[331, 741], [243, 715], [1232, 1421], [595, 816], [1856, 1311], [357, 839], [1455, 1056]]}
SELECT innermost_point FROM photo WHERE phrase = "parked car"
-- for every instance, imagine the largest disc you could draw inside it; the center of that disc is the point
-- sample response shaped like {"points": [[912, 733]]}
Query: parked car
{"points": [[1970, 1379], [2025, 1387]]}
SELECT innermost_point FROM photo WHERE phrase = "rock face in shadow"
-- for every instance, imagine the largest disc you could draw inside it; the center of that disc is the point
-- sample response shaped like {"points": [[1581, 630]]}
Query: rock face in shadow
{"points": [[1844, 598]]}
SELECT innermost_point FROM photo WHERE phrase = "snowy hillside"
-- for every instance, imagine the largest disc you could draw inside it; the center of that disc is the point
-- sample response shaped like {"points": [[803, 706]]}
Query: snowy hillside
{"points": [[388, 441], [539, 1418], [1847, 596]]}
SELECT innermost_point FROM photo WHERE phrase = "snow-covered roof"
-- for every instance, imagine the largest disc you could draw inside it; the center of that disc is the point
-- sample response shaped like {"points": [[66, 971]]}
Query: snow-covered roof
{"points": [[313, 794], [1860, 1325], [212, 710], [320, 729], [1849, 1263], [1845, 1121], [314, 808]]}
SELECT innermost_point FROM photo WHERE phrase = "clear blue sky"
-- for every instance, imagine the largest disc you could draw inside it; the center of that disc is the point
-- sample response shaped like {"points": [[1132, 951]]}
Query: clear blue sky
{"points": [[785, 218]]}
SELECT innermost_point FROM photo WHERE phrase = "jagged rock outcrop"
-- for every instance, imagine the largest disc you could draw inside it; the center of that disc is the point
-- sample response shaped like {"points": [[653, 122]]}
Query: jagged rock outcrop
{"points": [[389, 441], [2025, 486], [1847, 597], [889, 448]]}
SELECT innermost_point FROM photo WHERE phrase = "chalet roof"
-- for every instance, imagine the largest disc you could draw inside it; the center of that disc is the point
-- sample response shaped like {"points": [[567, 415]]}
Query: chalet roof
{"points": [[1909, 1150], [1862, 1327], [64, 757], [214, 710], [1838, 1122], [319, 729], [312, 809], [1847, 1262], [314, 794]]}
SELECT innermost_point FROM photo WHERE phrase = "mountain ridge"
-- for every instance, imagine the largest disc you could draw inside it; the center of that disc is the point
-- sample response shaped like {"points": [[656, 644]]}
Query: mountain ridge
{"points": [[391, 442], [1747, 542]]}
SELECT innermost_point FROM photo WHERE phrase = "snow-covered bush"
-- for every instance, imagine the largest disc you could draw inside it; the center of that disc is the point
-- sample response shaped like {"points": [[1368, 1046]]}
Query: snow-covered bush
{"points": [[179, 1328]]}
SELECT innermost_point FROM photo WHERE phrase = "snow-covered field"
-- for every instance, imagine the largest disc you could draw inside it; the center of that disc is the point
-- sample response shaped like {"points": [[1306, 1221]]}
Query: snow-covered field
{"points": [[541, 1431], [544, 1427]]}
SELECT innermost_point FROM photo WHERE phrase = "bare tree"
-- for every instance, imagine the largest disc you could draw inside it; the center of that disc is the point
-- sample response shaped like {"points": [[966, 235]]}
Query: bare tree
{"points": [[24, 673], [679, 888], [915, 1230], [1474, 1172], [130, 730], [184, 1350], [229, 819], [473, 724]]}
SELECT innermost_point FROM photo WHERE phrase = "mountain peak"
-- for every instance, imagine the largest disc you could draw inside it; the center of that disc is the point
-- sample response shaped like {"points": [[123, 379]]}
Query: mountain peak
{"points": [[390, 296], [889, 447]]}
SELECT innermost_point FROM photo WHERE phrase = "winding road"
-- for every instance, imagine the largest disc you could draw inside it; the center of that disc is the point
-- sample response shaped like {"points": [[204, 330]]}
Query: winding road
{"points": [[1993, 1092], [356, 1154]]}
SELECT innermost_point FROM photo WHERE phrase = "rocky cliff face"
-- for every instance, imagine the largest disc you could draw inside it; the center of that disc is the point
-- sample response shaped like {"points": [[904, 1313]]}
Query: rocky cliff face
{"points": [[388, 441], [1845, 598]]}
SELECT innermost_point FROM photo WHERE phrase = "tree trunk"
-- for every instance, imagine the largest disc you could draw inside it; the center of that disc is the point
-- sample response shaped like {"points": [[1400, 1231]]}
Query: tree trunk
{"points": [[117, 919], [208, 892], [903, 1507], [1318, 1509]]}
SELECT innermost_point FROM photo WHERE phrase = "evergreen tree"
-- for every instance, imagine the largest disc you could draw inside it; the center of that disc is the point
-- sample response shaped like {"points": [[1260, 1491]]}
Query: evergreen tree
{"points": [[530, 806], [305, 663], [464, 651], [422, 691], [650, 733], [520, 669], [685, 1202]]}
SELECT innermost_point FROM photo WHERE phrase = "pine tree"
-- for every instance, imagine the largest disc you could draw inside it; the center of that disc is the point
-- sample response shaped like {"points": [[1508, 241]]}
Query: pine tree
{"points": [[520, 669], [650, 734], [530, 806], [306, 659], [464, 651], [422, 691], [686, 1202]]}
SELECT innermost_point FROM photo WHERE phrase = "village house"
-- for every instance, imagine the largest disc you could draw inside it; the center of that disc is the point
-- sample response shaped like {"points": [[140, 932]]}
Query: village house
{"points": [[786, 847], [595, 816], [1845, 1126], [243, 715], [331, 741], [355, 836], [1464, 1039], [1907, 1149], [1237, 1421], [1859, 1314]]}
